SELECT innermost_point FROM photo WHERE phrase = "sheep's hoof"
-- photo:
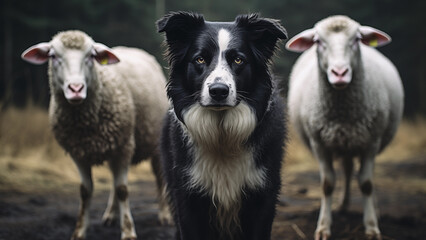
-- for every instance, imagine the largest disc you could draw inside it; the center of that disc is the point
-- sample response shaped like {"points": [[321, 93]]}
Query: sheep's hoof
{"points": [[373, 234], [374, 237], [75, 237], [322, 235], [129, 237]]}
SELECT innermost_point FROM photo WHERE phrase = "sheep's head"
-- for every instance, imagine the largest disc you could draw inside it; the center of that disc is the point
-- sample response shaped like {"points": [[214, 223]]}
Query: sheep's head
{"points": [[337, 40], [71, 56]]}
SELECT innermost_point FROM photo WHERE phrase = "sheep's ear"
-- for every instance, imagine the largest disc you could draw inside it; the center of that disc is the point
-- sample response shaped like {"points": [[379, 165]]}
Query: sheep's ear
{"points": [[264, 33], [302, 41], [373, 37], [104, 55], [37, 54]]}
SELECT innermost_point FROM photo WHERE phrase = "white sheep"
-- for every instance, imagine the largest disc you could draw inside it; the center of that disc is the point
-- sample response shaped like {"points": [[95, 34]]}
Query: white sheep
{"points": [[98, 113], [345, 100]]}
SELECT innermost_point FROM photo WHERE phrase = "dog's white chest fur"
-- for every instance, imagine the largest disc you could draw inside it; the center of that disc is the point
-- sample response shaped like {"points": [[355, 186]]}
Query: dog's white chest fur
{"points": [[222, 165]]}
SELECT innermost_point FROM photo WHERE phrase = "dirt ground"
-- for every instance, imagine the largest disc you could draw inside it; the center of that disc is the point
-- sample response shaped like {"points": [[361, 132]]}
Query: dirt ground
{"points": [[52, 215]]}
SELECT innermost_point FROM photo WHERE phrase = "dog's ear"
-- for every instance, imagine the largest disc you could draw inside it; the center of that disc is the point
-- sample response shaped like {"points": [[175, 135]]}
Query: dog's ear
{"points": [[179, 28], [263, 33], [177, 24]]}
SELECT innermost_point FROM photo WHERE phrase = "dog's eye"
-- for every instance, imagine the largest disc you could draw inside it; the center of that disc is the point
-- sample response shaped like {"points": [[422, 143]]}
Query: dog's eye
{"points": [[200, 60], [238, 60]]}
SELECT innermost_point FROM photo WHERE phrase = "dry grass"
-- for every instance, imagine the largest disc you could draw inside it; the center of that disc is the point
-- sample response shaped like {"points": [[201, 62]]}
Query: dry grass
{"points": [[31, 160], [409, 142]]}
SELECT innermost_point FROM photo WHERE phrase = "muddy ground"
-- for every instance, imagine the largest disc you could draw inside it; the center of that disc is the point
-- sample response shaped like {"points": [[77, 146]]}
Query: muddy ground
{"points": [[52, 215]]}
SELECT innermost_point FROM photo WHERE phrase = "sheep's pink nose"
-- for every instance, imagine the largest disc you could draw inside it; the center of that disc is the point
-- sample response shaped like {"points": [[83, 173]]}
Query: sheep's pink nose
{"points": [[76, 87], [339, 72]]}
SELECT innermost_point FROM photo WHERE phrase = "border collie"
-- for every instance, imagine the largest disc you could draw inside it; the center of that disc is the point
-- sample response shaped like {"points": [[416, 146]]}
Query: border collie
{"points": [[222, 142]]}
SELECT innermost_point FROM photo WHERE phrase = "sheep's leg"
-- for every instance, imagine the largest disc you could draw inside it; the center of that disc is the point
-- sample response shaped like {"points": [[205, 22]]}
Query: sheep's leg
{"points": [[327, 182], [365, 181], [86, 190], [164, 215], [112, 212], [348, 166], [119, 171]]}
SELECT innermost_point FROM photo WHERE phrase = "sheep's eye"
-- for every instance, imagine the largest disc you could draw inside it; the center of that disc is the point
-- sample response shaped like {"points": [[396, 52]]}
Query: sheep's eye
{"points": [[357, 39], [51, 53], [56, 59], [200, 60], [238, 61], [318, 41], [89, 58], [354, 42], [320, 44]]}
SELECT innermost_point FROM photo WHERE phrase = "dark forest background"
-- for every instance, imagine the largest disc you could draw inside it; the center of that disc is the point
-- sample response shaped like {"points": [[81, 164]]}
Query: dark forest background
{"points": [[132, 23]]}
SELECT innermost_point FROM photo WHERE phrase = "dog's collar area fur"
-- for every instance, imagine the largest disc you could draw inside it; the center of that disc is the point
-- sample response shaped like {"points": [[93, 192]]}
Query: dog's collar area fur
{"points": [[218, 140]]}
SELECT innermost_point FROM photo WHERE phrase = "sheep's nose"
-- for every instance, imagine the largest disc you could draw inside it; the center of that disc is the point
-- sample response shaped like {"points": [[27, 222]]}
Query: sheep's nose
{"points": [[219, 91], [76, 87], [339, 72]]}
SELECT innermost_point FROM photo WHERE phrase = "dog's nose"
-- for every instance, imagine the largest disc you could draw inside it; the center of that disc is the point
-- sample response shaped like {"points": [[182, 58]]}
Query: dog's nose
{"points": [[218, 91]]}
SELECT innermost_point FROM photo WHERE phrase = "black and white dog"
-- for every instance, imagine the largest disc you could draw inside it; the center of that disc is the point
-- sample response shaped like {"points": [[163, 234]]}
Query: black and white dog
{"points": [[222, 143]]}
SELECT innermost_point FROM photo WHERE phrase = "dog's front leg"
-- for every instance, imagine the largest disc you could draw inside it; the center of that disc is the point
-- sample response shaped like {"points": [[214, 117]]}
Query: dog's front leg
{"points": [[257, 215], [192, 216]]}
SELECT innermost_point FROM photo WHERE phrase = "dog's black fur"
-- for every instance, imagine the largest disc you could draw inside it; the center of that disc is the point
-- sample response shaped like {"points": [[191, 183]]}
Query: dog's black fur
{"points": [[254, 39]]}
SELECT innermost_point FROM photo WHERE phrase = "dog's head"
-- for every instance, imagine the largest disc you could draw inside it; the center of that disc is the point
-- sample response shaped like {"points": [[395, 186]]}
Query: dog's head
{"points": [[219, 64]]}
